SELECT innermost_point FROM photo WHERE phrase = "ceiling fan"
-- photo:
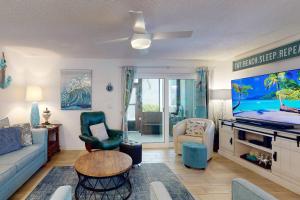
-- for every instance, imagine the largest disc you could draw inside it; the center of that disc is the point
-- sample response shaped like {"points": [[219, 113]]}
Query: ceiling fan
{"points": [[141, 38]]}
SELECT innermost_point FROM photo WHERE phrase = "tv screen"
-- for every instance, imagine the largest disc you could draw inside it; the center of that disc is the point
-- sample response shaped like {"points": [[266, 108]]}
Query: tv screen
{"points": [[271, 97]]}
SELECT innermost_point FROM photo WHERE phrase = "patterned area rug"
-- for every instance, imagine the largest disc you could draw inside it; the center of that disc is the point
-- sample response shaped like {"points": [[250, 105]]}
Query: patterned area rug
{"points": [[140, 178]]}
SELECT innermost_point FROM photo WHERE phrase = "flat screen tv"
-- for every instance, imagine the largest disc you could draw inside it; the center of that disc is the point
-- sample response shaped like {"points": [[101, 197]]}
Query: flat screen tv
{"points": [[271, 98]]}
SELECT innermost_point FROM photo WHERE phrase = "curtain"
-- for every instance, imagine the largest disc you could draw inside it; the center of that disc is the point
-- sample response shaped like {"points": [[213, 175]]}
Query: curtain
{"points": [[128, 74], [202, 93]]}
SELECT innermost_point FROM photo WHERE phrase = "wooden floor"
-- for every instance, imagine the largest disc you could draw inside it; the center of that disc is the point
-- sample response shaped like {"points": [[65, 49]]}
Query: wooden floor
{"points": [[214, 183]]}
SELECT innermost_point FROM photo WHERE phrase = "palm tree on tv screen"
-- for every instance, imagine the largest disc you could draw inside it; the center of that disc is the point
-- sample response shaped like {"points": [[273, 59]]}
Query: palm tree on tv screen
{"points": [[289, 94], [241, 90], [275, 79]]}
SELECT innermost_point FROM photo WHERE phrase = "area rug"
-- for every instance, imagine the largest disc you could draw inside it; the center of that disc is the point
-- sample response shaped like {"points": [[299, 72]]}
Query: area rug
{"points": [[140, 178]]}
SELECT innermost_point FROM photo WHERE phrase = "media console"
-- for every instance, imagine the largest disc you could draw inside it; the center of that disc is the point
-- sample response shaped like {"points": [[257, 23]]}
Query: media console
{"points": [[278, 150]]}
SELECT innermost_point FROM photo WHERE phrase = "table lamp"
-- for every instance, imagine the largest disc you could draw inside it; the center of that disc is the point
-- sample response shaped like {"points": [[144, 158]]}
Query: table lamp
{"points": [[34, 94]]}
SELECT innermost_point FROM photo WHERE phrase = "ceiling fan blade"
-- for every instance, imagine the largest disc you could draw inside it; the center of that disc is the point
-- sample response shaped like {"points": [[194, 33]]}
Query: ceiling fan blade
{"points": [[113, 41], [138, 21], [172, 35]]}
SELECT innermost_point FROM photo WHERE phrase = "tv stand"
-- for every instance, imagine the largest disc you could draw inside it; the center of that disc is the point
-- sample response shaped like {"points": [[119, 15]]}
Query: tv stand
{"points": [[238, 140]]}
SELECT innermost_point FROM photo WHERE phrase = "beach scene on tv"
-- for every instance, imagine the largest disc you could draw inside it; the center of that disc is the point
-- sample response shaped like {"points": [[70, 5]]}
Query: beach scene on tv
{"points": [[271, 97]]}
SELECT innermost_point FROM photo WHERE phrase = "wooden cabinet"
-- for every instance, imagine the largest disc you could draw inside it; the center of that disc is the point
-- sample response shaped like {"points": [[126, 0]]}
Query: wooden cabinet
{"points": [[286, 159], [226, 137], [276, 160], [53, 139]]}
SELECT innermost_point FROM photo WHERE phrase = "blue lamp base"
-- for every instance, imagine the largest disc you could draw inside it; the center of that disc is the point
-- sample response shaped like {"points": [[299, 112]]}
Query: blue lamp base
{"points": [[35, 115]]}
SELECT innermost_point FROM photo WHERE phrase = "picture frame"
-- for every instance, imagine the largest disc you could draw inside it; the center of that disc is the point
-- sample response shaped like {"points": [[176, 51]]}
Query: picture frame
{"points": [[76, 89]]}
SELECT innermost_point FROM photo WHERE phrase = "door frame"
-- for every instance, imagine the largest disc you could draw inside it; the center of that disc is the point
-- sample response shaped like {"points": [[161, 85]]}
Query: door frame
{"points": [[165, 97]]}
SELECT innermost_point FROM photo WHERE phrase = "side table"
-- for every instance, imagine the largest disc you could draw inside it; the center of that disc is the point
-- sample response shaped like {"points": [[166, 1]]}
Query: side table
{"points": [[53, 139], [133, 149]]}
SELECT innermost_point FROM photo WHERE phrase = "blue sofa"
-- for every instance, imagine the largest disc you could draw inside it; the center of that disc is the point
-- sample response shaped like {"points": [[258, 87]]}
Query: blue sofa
{"points": [[244, 190], [18, 166]]}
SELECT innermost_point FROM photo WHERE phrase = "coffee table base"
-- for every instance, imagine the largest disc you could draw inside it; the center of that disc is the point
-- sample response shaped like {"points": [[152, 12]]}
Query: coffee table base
{"points": [[108, 188]]}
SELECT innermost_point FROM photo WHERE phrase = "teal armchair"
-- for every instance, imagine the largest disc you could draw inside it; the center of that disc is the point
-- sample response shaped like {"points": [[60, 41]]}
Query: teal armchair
{"points": [[91, 118]]}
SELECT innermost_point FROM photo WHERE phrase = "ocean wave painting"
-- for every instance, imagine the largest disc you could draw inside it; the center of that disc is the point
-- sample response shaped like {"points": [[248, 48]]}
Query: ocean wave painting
{"points": [[76, 89]]}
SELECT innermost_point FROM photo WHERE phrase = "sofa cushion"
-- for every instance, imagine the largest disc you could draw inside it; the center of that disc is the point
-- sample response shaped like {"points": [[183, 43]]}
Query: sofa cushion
{"points": [[22, 157], [195, 127], [26, 135], [4, 123], [62, 193], [110, 143], [99, 131], [10, 140], [158, 191], [245, 190], [188, 138], [7, 172]]}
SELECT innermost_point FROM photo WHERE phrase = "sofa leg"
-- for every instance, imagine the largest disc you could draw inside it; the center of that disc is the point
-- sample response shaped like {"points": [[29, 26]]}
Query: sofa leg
{"points": [[88, 147]]}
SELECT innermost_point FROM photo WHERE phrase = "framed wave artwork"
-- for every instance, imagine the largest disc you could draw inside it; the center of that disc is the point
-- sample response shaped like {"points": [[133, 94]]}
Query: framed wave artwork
{"points": [[76, 89]]}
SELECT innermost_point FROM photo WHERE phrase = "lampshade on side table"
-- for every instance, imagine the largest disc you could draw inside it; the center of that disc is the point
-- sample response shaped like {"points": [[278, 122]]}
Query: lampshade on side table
{"points": [[34, 94]]}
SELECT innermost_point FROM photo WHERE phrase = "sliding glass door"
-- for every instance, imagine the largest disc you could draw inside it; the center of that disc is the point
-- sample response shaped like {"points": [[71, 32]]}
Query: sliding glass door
{"points": [[157, 104], [145, 111]]}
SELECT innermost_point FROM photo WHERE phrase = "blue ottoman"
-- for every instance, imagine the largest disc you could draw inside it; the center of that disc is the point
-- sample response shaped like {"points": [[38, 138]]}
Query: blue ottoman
{"points": [[194, 155]]}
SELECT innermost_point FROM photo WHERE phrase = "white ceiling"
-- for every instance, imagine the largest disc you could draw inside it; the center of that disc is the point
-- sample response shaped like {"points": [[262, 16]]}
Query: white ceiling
{"points": [[71, 28]]}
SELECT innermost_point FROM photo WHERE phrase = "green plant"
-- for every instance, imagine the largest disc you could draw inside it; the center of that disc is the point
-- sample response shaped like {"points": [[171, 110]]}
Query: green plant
{"points": [[150, 108]]}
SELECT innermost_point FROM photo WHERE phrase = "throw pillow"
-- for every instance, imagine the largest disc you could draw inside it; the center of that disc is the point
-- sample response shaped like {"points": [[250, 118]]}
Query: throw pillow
{"points": [[99, 131], [26, 135], [10, 140], [4, 123], [195, 128]]}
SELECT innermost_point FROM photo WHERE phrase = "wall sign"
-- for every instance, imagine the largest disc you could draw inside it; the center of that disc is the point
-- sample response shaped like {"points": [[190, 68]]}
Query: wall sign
{"points": [[280, 53]]}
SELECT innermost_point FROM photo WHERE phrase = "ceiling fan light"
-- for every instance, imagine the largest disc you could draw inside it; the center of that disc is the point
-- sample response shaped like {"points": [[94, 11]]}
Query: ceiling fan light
{"points": [[140, 41]]}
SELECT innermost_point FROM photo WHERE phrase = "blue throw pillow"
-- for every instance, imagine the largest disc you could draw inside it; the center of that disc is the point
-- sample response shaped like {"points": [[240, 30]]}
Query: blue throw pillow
{"points": [[10, 140]]}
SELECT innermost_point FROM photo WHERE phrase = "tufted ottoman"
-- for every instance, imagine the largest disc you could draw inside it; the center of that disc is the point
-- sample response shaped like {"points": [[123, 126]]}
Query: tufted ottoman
{"points": [[194, 155]]}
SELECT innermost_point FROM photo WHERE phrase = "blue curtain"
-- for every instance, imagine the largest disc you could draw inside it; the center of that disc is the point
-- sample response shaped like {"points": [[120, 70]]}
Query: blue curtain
{"points": [[128, 74], [202, 93]]}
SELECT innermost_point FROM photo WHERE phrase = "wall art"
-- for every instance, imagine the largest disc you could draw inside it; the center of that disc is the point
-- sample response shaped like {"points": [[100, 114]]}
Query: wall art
{"points": [[76, 89]]}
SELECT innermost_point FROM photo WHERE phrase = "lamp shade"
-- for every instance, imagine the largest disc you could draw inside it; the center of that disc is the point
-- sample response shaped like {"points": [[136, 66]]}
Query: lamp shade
{"points": [[221, 94], [33, 93]]}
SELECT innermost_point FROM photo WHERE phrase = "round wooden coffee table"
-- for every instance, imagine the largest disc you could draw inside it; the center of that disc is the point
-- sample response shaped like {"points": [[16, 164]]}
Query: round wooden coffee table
{"points": [[103, 175]]}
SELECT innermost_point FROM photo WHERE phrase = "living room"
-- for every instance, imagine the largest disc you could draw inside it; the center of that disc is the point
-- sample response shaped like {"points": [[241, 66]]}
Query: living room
{"points": [[149, 100]]}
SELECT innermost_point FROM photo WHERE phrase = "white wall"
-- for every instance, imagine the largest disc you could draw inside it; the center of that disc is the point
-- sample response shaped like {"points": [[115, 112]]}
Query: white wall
{"points": [[45, 72]]}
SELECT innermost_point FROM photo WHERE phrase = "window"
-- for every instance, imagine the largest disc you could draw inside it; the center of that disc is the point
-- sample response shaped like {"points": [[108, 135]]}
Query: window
{"points": [[151, 95], [131, 106], [172, 96]]}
